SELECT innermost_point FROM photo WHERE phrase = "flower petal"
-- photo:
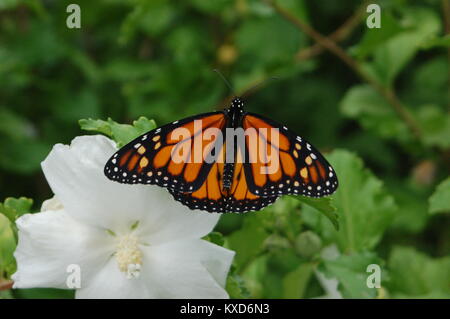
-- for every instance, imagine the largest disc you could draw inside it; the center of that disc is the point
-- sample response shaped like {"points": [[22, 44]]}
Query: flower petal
{"points": [[51, 204], [51, 241], [187, 269], [111, 283], [171, 221], [75, 175]]}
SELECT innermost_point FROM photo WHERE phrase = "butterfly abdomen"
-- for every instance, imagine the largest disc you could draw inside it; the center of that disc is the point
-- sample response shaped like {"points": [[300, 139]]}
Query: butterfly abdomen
{"points": [[228, 172]]}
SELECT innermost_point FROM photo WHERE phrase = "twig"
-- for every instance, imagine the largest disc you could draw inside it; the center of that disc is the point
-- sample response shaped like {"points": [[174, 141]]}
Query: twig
{"points": [[331, 46], [6, 285], [339, 35]]}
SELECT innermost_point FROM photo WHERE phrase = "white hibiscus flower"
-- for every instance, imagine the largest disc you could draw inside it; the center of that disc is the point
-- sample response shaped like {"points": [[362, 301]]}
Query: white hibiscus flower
{"points": [[130, 241]]}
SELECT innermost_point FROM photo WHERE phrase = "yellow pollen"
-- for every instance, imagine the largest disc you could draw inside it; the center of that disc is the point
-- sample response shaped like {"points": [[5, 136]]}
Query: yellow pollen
{"points": [[129, 256]]}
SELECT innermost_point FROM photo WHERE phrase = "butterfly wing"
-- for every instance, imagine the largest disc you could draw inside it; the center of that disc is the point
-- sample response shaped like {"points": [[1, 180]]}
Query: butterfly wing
{"points": [[240, 198], [280, 162], [213, 197], [209, 195], [149, 159], [198, 184]]}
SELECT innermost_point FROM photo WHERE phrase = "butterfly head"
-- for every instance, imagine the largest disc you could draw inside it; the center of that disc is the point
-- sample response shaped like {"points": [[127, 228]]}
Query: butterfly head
{"points": [[237, 104]]}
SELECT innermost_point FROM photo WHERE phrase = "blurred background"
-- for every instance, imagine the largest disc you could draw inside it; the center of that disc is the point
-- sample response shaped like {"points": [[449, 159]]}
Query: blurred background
{"points": [[386, 101]]}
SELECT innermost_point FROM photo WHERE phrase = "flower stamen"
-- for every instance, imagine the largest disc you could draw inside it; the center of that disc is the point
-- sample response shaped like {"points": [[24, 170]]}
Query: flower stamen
{"points": [[129, 256]]}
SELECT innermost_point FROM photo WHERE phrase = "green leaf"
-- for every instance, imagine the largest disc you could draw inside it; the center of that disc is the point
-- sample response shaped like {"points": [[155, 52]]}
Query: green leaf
{"points": [[235, 286], [436, 42], [248, 241], [15, 126], [296, 282], [394, 54], [365, 208], [9, 4], [362, 103], [13, 208], [7, 247], [120, 133], [324, 206], [298, 8], [254, 276], [15, 132], [44, 293], [152, 17], [414, 274], [215, 238], [81, 104], [435, 125], [412, 214], [216, 6], [375, 37], [351, 272], [428, 84], [21, 205], [16, 158], [253, 32], [99, 126], [143, 125], [6, 294], [440, 200]]}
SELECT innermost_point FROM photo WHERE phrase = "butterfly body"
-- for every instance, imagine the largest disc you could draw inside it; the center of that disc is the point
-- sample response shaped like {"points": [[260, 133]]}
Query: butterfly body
{"points": [[234, 116], [235, 113], [248, 162]]}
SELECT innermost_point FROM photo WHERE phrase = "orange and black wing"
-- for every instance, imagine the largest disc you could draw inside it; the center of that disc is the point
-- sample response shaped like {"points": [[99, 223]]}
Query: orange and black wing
{"points": [[279, 162], [212, 197], [170, 156], [240, 198]]}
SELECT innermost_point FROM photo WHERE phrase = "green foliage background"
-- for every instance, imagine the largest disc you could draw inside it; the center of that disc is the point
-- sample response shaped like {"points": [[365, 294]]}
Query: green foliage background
{"points": [[154, 58]]}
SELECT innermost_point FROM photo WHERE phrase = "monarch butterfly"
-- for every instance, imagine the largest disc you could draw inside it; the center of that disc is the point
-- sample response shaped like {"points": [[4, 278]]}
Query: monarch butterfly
{"points": [[220, 184]]}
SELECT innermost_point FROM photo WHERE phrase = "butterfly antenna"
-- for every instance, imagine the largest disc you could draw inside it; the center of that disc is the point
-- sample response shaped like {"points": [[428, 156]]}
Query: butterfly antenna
{"points": [[224, 80], [254, 87]]}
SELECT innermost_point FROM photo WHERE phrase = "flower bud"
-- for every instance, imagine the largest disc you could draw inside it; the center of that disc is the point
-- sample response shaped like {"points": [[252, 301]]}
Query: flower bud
{"points": [[307, 244]]}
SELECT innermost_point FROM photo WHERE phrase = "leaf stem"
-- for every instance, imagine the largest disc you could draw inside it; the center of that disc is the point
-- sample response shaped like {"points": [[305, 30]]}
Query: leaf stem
{"points": [[339, 35]]}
